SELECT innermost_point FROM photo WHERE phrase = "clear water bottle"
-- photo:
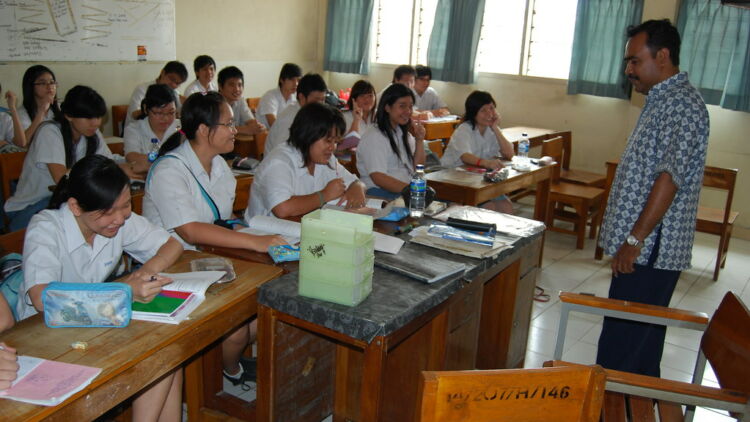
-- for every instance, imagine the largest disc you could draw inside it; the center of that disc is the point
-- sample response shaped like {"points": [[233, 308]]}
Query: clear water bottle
{"points": [[154, 153], [523, 149], [418, 189]]}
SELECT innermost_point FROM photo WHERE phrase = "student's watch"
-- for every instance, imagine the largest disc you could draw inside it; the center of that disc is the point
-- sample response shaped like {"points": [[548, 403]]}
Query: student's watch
{"points": [[633, 241]]}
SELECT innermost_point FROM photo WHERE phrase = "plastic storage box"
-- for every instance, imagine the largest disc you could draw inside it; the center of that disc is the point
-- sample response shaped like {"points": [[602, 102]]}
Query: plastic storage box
{"points": [[336, 256]]}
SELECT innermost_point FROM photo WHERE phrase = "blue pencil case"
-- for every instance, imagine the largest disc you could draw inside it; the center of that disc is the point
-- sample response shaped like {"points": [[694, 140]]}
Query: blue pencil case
{"points": [[87, 305], [283, 253]]}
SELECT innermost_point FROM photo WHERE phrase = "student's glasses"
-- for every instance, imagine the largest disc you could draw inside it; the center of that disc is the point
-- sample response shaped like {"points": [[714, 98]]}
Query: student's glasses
{"points": [[229, 124], [45, 83], [163, 114]]}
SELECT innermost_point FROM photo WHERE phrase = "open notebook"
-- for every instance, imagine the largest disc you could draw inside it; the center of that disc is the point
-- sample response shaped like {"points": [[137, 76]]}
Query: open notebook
{"points": [[48, 382], [178, 299]]}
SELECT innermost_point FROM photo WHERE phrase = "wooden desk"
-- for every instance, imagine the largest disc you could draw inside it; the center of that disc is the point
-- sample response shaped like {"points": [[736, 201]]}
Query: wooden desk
{"points": [[537, 136], [250, 145], [135, 356], [470, 188], [439, 130]]}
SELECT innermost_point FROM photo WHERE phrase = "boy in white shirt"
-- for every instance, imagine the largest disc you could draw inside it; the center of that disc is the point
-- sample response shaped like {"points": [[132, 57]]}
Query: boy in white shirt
{"points": [[277, 99], [231, 86], [427, 97], [205, 69], [173, 74]]}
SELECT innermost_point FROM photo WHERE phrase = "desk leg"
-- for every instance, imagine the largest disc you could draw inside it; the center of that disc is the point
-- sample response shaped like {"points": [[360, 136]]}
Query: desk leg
{"points": [[541, 201], [266, 338], [372, 380], [194, 388]]}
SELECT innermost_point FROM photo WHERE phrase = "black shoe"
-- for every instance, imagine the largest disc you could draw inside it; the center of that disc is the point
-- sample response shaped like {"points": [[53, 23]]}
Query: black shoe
{"points": [[242, 379], [250, 368]]}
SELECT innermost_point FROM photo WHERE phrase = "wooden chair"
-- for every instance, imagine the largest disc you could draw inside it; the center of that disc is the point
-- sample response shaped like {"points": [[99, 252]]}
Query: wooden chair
{"points": [[117, 148], [725, 344], [242, 194], [586, 202], [253, 102], [580, 177], [11, 165], [12, 242], [719, 221], [528, 395], [119, 112]]}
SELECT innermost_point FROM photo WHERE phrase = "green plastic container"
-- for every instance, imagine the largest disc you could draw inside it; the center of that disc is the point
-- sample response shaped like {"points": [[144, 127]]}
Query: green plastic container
{"points": [[349, 295]]}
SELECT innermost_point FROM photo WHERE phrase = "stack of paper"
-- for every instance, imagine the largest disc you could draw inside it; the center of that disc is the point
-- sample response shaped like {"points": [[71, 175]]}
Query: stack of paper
{"points": [[47, 382], [178, 299], [422, 236]]}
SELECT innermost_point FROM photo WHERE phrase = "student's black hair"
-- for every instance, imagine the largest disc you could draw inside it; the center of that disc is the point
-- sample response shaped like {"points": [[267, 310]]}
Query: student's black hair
{"points": [[423, 71], [362, 87], [202, 61], [309, 83], [475, 101], [27, 86], [390, 96], [157, 95], [289, 71], [95, 181], [402, 70], [313, 122], [83, 102], [198, 109], [177, 68], [228, 73], [660, 34]]}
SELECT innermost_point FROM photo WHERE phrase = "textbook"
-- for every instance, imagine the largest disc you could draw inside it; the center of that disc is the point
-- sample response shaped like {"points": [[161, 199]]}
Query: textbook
{"points": [[178, 299], [48, 382]]}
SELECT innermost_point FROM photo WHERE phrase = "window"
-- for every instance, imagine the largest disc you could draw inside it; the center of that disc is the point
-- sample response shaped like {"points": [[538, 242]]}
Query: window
{"points": [[401, 31]]}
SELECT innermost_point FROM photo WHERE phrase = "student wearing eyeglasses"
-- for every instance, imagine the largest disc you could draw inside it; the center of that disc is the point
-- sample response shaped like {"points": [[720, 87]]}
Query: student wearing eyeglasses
{"points": [[173, 74], [39, 99]]}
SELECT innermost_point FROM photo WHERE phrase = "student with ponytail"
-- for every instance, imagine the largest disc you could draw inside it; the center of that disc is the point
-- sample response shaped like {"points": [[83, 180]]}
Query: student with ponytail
{"points": [[190, 187], [81, 239]]}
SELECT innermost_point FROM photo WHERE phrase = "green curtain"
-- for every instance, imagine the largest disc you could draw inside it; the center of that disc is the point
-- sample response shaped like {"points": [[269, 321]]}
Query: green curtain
{"points": [[596, 64], [716, 51], [452, 50], [347, 45]]}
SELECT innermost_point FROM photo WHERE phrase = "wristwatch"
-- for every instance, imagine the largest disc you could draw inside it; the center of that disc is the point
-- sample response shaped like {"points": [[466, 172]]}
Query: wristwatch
{"points": [[633, 241]]}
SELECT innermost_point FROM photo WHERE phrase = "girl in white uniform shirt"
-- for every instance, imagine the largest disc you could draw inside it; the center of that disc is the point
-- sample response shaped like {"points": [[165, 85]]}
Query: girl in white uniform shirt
{"points": [[361, 114], [57, 145], [175, 197], [302, 174], [156, 122], [81, 239], [205, 68], [478, 142], [388, 154], [39, 99]]}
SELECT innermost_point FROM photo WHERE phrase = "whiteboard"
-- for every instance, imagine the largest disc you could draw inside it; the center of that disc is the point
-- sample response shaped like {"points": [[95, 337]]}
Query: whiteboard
{"points": [[86, 30]]}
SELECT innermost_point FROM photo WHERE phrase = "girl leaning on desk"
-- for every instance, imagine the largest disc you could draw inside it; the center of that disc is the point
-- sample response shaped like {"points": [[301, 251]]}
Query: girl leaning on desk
{"points": [[190, 187], [478, 142], [81, 239]]}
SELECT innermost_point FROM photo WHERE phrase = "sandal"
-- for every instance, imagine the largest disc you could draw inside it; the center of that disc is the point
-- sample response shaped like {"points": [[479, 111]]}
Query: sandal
{"points": [[539, 295]]}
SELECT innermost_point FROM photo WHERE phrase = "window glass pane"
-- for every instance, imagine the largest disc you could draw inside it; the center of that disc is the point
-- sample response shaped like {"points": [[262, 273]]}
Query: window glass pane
{"points": [[393, 20], [425, 22], [553, 24], [502, 36]]}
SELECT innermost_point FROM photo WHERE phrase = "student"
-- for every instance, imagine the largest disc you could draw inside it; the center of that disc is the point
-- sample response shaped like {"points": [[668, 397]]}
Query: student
{"points": [[302, 174], [81, 239], [478, 142], [56, 147], [175, 200], [362, 104], [405, 75], [427, 98], [173, 74], [8, 358], [311, 89], [39, 87], [388, 154], [277, 99], [231, 86], [12, 135], [157, 122], [205, 68]]}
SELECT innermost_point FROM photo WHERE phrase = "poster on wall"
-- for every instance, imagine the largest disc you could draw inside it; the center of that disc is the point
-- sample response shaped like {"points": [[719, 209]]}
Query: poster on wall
{"points": [[87, 30]]}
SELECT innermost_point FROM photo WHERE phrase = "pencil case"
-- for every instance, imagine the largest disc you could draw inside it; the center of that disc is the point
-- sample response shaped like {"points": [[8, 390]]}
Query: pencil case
{"points": [[87, 305]]}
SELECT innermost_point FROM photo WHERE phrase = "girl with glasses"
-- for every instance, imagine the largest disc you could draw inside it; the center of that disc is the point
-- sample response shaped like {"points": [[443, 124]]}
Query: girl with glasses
{"points": [[39, 87]]}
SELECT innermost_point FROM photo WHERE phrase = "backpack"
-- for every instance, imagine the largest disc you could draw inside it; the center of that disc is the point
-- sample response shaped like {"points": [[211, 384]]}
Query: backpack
{"points": [[11, 278]]}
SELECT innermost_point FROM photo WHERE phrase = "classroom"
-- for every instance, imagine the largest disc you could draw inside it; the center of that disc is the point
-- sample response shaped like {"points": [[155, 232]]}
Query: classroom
{"points": [[259, 37]]}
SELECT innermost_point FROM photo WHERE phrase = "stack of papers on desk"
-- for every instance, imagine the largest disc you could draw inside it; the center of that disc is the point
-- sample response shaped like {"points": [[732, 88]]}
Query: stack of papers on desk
{"points": [[47, 382], [178, 299], [422, 236], [509, 226]]}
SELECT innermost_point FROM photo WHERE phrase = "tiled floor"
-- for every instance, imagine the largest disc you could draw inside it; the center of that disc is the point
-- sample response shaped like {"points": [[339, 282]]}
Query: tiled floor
{"points": [[565, 268]]}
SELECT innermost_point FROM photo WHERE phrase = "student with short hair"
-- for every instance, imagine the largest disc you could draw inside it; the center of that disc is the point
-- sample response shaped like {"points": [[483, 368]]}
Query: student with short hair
{"points": [[231, 87], [39, 87], [204, 68], [276, 100], [81, 239], [173, 74], [156, 123], [479, 142], [12, 135], [428, 99], [360, 115], [405, 75], [311, 89], [302, 174], [388, 153]]}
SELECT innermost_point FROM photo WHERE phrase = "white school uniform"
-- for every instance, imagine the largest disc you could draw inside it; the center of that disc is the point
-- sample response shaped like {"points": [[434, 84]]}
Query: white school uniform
{"points": [[173, 197], [137, 96], [138, 136], [47, 148], [273, 102], [6, 128], [429, 100], [279, 132], [55, 250], [242, 113], [196, 86], [467, 140], [364, 125], [282, 174], [23, 116], [374, 155]]}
